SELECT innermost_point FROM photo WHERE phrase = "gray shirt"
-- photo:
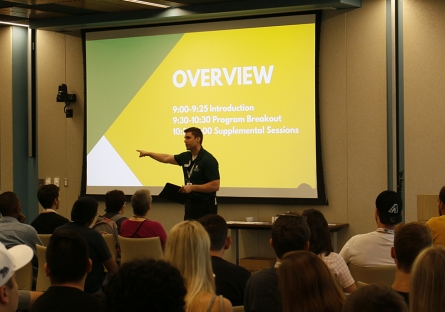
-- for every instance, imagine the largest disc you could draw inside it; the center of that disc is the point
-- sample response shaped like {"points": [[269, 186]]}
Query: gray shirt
{"points": [[13, 233]]}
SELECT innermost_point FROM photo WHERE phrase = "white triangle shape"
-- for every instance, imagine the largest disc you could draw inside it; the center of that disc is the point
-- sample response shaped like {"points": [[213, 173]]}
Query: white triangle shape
{"points": [[105, 167]]}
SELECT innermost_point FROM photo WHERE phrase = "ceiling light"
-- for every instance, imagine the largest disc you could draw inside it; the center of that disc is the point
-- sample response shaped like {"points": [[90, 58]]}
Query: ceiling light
{"points": [[14, 24], [149, 3]]}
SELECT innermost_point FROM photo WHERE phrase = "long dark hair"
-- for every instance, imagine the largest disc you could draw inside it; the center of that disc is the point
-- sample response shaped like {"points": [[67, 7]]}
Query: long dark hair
{"points": [[320, 239]]}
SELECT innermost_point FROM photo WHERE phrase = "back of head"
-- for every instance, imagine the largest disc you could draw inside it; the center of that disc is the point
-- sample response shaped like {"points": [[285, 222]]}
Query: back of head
{"points": [[146, 285], [320, 239], [390, 206], [427, 281], [188, 249], [84, 209], [375, 298], [67, 257], [217, 229], [141, 201], [114, 200], [47, 194], [409, 240], [289, 233], [442, 194], [307, 282], [9, 203]]}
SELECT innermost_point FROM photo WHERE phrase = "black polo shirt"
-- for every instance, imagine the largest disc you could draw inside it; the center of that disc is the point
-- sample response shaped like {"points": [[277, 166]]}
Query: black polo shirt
{"points": [[205, 170]]}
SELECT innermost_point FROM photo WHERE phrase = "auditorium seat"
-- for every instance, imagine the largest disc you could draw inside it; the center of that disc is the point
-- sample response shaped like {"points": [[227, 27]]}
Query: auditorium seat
{"points": [[134, 248], [45, 239], [374, 275], [43, 281]]}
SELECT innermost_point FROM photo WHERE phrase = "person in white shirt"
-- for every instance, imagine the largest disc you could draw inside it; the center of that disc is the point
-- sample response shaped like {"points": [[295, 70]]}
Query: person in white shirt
{"points": [[374, 248]]}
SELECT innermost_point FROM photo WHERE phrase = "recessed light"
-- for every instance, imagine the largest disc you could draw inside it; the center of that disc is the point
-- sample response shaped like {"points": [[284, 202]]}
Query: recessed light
{"points": [[149, 3]]}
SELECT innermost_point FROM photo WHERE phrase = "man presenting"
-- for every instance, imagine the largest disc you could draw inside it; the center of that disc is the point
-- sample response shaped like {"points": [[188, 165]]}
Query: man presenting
{"points": [[201, 174]]}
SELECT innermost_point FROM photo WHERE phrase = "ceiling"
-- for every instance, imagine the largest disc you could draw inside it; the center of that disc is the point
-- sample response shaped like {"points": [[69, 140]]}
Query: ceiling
{"points": [[63, 15]]}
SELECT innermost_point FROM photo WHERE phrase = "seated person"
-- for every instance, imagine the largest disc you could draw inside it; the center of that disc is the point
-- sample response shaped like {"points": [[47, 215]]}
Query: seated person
{"points": [[437, 224], [427, 281], [409, 240], [375, 298], [146, 285], [67, 265], [139, 226], [49, 219], [374, 248], [82, 215], [115, 207], [12, 231], [307, 283], [188, 249], [11, 260], [320, 244], [289, 233], [230, 279]]}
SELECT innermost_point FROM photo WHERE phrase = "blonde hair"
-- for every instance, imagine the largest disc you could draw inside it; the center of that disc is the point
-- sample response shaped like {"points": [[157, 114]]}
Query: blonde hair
{"points": [[308, 285], [188, 249], [427, 281]]}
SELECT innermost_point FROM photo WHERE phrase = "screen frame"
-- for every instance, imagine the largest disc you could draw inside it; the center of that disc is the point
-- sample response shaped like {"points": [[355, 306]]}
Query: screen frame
{"points": [[321, 191]]}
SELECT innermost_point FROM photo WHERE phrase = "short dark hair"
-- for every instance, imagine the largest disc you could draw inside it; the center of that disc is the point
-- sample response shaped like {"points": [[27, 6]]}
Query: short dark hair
{"points": [[196, 132], [289, 233], [114, 200], [84, 209], [373, 298], [8, 203], [217, 228], [409, 240], [67, 257], [140, 201], [146, 285], [320, 239], [47, 194], [442, 194]]}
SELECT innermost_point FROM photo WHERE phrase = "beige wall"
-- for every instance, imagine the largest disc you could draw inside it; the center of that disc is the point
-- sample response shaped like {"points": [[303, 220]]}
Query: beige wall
{"points": [[353, 124], [424, 43], [6, 179]]}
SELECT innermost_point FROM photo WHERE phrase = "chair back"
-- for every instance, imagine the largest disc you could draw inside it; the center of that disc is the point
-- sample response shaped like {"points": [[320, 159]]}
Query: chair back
{"points": [[111, 243], [23, 277], [43, 281], [134, 248], [374, 275], [238, 309], [45, 239]]}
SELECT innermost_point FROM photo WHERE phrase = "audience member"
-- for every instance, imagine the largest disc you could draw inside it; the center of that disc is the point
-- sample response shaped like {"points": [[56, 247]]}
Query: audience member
{"points": [[374, 248], [289, 233], [139, 226], [320, 244], [437, 224], [409, 240], [82, 215], [67, 265], [115, 207], [146, 285], [10, 261], [13, 232], [307, 284], [375, 298], [49, 219], [104, 225], [188, 249], [427, 286], [230, 279]]}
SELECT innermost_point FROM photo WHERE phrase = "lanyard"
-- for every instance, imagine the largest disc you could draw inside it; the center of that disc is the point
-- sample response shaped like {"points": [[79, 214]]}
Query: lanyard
{"points": [[190, 171], [381, 230]]}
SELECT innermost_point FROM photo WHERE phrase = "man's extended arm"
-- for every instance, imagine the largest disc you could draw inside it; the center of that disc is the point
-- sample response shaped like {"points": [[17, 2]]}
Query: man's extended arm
{"points": [[163, 158], [209, 187]]}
